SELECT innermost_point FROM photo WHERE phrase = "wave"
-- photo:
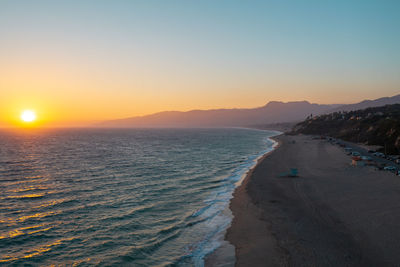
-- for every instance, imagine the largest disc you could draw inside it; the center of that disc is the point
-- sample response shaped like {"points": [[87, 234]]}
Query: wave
{"points": [[153, 199], [218, 203]]}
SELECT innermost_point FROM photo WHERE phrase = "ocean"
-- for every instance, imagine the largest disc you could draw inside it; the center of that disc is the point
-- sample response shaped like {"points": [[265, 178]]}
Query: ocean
{"points": [[133, 197]]}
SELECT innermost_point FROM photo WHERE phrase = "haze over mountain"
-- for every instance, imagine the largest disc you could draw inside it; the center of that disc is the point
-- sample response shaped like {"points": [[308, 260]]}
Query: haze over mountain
{"points": [[272, 112], [370, 104]]}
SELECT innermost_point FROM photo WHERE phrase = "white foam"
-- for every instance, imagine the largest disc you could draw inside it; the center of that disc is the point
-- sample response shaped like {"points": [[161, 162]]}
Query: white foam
{"points": [[220, 200]]}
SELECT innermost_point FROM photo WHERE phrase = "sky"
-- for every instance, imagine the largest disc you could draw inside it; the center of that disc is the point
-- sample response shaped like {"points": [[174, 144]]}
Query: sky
{"points": [[78, 62]]}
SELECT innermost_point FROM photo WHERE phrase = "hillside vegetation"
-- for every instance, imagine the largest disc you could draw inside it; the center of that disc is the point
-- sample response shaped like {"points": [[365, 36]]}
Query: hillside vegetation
{"points": [[371, 126]]}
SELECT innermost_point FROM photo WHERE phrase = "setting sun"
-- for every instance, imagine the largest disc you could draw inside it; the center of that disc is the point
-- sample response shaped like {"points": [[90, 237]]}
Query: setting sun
{"points": [[28, 116]]}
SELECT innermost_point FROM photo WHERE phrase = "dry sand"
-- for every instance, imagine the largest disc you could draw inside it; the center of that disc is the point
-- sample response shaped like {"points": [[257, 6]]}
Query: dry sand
{"points": [[332, 215]]}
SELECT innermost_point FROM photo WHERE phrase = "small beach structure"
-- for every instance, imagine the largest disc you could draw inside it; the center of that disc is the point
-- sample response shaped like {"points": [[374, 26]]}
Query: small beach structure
{"points": [[293, 173]]}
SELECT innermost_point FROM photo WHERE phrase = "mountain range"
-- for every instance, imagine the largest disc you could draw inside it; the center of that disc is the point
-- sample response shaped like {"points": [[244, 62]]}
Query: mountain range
{"points": [[370, 104], [272, 112]]}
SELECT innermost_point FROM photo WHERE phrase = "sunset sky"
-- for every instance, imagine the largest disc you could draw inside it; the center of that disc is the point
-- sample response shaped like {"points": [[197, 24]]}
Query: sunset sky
{"points": [[77, 62]]}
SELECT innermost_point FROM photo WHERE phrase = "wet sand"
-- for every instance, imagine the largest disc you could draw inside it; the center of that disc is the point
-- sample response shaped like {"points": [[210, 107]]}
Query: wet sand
{"points": [[333, 214]]}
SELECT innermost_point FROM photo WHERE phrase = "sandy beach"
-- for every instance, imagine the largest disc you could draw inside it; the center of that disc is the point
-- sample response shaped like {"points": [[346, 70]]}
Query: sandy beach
{"points": [[333, 214]]}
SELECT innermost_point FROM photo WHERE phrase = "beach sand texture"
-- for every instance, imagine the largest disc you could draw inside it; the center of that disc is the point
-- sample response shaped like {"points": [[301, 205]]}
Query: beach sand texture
{"points": [[333, 214]]}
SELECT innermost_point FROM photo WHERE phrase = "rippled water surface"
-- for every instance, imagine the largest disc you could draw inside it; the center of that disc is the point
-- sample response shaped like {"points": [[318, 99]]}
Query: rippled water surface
{"points": [[119, 197]]}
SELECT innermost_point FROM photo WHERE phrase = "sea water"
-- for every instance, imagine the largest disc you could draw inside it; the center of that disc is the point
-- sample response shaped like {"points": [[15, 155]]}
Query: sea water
{"points": [[135, 197]]}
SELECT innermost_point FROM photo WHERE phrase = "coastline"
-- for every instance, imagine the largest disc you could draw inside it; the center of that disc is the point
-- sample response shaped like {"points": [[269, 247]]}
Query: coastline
{"points": [[225, 254], [332, 215]]}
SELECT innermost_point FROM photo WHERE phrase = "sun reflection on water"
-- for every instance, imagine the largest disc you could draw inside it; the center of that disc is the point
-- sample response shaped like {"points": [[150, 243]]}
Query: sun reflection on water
{"points": [[22, 231], [36, 251], [36, 215]]}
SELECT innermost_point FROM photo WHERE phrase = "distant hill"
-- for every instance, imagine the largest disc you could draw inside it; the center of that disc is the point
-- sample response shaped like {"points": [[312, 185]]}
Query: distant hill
{"points": [[372, 126], [272, 112], [369, 104]]}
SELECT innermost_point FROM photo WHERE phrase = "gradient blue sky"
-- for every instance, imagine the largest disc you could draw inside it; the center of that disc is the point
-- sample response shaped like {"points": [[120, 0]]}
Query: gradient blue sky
{"points": [[110, 59]]}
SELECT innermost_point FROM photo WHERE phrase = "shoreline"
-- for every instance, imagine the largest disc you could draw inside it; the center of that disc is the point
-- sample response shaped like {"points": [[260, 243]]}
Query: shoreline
{"points": [[223, 255], [241, 200], [334, 214], [261, 157]]}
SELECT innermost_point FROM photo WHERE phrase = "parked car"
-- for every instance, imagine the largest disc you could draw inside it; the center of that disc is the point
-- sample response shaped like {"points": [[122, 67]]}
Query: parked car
{"points": [[379, 154], [380, 166], [366, 158], [390, 168], [355, 154], [392, 157], [348, 150]]}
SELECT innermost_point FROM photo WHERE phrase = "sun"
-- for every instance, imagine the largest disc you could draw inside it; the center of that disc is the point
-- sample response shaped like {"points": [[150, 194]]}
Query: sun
{"points": [[28, 116]]}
